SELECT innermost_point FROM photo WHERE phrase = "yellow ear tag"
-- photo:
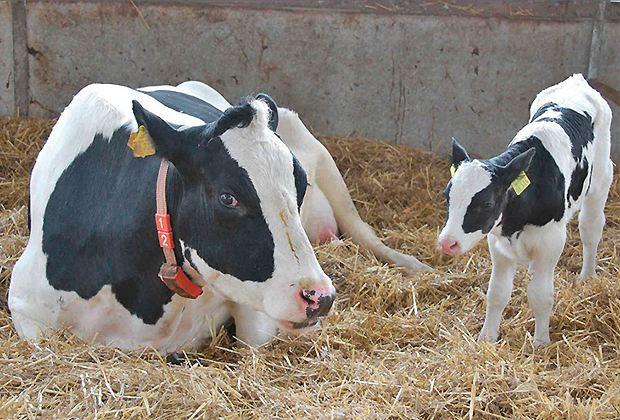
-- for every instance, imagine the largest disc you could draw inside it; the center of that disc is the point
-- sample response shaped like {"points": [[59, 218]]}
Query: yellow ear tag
{"points": [[140, 143], [452, 170], [521, 183]]}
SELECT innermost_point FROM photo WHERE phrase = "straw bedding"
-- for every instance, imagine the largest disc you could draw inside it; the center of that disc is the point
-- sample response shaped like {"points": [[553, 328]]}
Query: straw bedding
{"points": [[396, 345]]}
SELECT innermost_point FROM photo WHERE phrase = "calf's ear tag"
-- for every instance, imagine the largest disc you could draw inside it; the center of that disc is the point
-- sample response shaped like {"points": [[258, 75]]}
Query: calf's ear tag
{"points": [[140, 143], [521, 183], [452, 170]]}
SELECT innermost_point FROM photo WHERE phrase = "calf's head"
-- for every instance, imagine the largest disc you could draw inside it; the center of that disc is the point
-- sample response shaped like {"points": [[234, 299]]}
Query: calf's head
{"points": [[475, 197], [237, 217]]}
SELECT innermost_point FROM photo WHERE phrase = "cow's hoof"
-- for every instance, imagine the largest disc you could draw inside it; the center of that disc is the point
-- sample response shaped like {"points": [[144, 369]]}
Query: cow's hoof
{"points": [[411, 264], [419, 268], [175, 358], [231, 329]]}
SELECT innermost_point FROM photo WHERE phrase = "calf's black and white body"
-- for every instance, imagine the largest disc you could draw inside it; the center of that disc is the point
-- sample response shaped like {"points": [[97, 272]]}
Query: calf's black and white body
{"points": [[233, 191], [565, 152]]}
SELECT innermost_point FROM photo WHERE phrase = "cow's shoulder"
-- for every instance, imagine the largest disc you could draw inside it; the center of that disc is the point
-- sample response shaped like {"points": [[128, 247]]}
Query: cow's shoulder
{"points": [[95, 208]]}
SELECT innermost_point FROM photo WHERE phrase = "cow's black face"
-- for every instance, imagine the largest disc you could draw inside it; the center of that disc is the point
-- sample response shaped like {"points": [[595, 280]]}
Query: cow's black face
{"points": [[220, 216], [238, 217]]}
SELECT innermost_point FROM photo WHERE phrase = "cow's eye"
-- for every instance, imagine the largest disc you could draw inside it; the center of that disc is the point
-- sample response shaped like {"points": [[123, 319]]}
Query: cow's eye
{"points": [[487, 204], [229, 200]]}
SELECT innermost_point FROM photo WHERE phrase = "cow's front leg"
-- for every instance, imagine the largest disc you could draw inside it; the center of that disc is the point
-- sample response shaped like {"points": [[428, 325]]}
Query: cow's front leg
{"points": [[253, 328], [498, 293]]}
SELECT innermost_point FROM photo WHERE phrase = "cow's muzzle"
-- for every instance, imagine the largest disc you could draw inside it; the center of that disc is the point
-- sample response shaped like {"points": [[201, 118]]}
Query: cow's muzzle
{"points": [[317, 302]]}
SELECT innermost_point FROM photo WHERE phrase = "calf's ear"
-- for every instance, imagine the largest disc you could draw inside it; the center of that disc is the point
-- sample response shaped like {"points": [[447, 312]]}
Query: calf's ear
{"points": [[459, 154], [519, 164], [273, 118], [170, 141]]}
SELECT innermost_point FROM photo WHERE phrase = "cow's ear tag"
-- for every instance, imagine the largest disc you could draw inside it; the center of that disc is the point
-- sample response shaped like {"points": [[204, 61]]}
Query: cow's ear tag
{"points": [[140, 143], [452, 170], [521, 183]]}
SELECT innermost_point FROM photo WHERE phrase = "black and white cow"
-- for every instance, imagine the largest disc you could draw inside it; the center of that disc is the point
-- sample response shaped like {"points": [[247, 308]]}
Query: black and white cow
{"points": [[233, 190], [564, 152]]}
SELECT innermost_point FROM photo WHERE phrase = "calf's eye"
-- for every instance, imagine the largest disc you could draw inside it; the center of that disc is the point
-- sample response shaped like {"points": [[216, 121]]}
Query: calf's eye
{"points": [[229, 200]]}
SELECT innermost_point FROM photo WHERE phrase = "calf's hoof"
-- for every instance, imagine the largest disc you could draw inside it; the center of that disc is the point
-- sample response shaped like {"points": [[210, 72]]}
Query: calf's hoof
{"points": [[541, 342], [487, 337]]}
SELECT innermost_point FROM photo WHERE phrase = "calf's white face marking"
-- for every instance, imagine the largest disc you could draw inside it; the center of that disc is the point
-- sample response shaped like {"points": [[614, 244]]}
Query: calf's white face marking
{"points": [[469, 179], [476, 196]]}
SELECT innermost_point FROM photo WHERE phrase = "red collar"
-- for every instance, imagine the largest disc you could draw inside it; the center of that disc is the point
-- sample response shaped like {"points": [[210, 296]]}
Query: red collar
{"points": [[170, 272]]}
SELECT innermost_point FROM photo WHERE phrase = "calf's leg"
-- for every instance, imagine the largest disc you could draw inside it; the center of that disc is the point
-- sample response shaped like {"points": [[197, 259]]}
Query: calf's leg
{"points": [[540, 288], [591, 223], [498, 293]]}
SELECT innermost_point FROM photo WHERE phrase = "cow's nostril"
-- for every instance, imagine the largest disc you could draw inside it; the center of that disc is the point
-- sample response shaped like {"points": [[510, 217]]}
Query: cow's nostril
{"points": [[307, 296], [454, 246]]}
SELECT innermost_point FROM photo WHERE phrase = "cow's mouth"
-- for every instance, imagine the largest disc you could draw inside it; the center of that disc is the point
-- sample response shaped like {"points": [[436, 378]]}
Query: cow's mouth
{"points": [[298, 326]]}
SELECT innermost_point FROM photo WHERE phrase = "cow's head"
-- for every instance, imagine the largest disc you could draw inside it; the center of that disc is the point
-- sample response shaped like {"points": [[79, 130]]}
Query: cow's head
{"points": [[475, 197], [238, 215]]}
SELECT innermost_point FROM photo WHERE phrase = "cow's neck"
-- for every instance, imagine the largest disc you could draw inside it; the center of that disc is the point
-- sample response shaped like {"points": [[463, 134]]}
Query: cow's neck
{"points": [[174, 197]]}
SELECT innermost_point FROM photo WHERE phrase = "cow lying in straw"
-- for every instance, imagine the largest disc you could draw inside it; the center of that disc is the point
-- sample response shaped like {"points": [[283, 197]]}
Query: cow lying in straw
{"points": [[524, 198], [227, 221], [227, 239]]}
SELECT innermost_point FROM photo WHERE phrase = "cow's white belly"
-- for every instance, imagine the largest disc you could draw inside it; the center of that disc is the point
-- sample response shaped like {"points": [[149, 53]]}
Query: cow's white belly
{"points": [[37, 308]]}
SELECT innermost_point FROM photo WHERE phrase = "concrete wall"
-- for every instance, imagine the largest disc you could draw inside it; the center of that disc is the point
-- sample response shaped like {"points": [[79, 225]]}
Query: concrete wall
{"points": [[405, 72], [7, 100]]}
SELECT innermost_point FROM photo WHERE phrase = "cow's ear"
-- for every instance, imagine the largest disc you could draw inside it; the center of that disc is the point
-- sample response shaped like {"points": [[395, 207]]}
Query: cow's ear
{"points": [[459, 154], [171, 142], [273, 107], [519, 164]]}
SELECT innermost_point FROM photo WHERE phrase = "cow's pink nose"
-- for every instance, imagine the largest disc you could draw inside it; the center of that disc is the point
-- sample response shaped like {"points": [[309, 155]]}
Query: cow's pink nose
{"points": [[317, 301], [449, 245]]}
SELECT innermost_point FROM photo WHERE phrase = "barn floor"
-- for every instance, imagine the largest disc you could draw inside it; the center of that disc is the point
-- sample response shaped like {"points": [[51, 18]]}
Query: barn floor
{"points": [[396, 345]]}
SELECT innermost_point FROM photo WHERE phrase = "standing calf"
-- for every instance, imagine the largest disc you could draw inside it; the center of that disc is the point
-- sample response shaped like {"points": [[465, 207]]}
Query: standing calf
{"points": [[524, 198]]}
